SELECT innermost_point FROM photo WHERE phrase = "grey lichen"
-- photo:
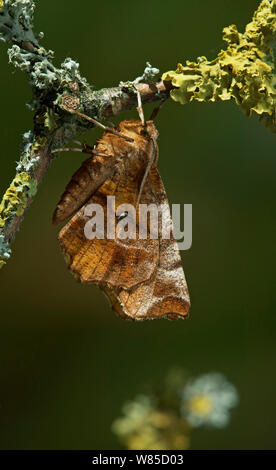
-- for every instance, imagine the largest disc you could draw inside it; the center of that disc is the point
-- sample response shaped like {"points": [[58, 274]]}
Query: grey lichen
{"points": [[30, 147], [98, 101], [27, 161], [44, 77], [26, 54], [5, 251], [149, 76], [70, 79], [16, 21]]}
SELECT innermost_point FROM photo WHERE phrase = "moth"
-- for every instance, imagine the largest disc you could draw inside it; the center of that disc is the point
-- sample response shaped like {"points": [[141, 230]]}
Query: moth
{"points": [[143, 278]]}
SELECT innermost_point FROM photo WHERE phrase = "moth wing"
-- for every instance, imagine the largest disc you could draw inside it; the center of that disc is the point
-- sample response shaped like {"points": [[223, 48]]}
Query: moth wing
{"points": [[165, 293], [111, 262], [93, 172]]}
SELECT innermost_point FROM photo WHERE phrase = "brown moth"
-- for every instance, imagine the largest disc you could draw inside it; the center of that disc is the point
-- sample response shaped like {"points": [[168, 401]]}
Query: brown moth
{"points": [[143, 278]]}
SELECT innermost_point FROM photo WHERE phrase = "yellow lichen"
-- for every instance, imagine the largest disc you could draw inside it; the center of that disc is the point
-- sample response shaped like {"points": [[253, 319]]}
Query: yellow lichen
{"points": [[47, 117], [2, 263], [244, 71], [15, 199], [39, 142], [50, 119]]}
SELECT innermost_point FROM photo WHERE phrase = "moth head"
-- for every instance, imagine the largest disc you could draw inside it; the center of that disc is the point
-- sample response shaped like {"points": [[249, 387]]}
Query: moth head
{"points": [[134, 128]]}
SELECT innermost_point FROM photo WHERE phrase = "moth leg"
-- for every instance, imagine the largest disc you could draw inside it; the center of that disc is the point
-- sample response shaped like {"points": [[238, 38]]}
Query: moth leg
{"points": [[140, 107], [91, 150], [71, 149], [157, 109], [102, 126], [67, 149], [110, 123], [85, 148], [156, 153]]}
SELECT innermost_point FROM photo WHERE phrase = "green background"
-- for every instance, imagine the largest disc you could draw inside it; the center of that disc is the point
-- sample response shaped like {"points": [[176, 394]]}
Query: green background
{"points": [[67, 363]]}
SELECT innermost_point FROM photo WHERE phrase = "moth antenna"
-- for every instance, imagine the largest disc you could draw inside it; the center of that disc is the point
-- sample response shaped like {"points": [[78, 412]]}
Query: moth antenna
{"points": [[99, 154], [157, 109], [140, 107], [105, 128], [153, 159], [110, 123], [67, 149]]}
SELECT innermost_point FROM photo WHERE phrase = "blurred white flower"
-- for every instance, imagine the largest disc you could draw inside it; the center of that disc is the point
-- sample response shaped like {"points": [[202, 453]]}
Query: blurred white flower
{"points": [[208, 399]]}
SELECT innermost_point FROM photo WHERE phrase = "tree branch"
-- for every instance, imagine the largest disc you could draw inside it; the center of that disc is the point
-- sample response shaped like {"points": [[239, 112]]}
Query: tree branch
{"points": [[244, 72], [56, 93]]}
